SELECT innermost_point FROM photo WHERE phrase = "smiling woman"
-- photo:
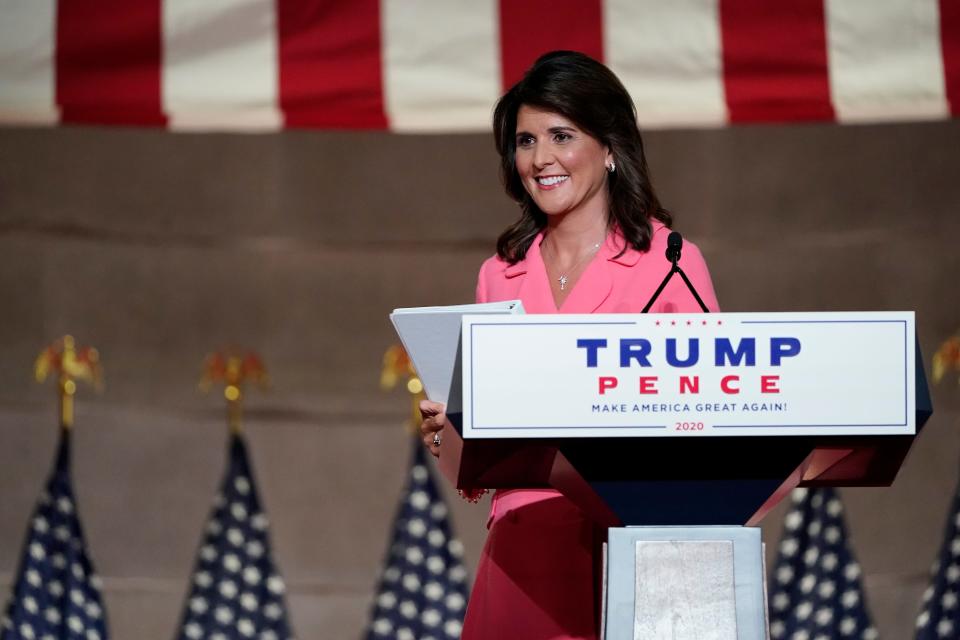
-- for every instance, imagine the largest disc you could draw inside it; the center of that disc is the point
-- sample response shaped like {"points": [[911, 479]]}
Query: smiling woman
{"points": [[590, 239], [562, 167]]}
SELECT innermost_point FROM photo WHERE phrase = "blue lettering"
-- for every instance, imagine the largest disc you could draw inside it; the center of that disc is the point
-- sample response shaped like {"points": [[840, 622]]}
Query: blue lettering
{"points": [[746, 350], [693, 353], [592, 345], [783, 348], [634, 349]]}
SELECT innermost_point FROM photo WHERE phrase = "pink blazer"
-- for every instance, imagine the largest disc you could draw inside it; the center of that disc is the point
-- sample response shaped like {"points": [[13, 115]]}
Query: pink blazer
{"points": [[609, 284], [521, 590]]}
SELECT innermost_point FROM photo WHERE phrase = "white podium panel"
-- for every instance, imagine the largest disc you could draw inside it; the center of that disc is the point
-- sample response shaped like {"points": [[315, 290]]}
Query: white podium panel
{"points": [[684, 583], [690, 375], [685, 590]]}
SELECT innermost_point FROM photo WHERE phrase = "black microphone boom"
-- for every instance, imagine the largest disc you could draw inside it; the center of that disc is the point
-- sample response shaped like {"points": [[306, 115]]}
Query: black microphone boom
{"points": [[674, 245]]}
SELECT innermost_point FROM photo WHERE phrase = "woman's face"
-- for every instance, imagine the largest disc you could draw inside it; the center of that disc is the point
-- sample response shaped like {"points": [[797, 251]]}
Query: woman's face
{"points": [[562, 167]]}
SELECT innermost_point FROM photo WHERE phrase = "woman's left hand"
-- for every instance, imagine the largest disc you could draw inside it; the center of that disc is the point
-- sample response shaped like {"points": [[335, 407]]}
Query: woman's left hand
{"points": [[434, 419]]}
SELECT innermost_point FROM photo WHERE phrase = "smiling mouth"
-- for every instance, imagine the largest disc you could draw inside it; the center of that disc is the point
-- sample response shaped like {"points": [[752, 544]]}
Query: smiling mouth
{"points": [[551, 181]]}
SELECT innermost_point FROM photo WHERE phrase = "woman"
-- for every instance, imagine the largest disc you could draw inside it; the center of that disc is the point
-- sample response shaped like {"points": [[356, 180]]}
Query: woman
{"points": [[591, 238]]}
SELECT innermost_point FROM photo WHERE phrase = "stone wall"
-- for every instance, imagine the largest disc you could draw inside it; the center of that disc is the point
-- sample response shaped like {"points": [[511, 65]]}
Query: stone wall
{"points": [[160, 247]]}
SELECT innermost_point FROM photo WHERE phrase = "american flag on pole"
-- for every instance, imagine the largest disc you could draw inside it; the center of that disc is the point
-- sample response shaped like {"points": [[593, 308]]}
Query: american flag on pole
{"points": [[940, 616], [236, 590], [816, 592], [56, 594], [422, 593], [439, 65]]}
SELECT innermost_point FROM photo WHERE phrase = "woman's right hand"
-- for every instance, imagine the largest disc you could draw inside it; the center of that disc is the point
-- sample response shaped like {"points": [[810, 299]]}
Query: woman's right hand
{"points": [[434, 418]]}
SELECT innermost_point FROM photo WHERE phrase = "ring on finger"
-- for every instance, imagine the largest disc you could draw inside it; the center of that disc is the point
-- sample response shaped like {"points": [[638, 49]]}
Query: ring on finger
{"points": [[436, 439]]}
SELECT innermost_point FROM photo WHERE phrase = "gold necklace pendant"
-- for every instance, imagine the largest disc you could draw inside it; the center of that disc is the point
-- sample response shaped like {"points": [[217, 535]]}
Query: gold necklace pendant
{"points": [[563, 282]]}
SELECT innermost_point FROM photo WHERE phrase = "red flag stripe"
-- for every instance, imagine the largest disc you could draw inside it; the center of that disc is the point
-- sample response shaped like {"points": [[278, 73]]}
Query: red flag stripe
{"points": [[330, 63], [950, 42], [529, 29], [108, 62], [775, 60]]}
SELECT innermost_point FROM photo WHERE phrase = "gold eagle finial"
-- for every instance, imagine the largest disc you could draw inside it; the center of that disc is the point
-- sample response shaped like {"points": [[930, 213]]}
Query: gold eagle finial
{"points": [[397, 365], [71, 363], [233, 368]]}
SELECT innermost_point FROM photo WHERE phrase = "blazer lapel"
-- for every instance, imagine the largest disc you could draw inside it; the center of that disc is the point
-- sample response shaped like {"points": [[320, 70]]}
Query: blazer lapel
{"points": [[591, 290], [535, 288], [594, 285]]}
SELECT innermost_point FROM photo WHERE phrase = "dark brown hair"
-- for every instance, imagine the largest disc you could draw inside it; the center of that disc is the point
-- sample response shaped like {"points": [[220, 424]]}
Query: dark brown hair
{"points": [[586, 92]]}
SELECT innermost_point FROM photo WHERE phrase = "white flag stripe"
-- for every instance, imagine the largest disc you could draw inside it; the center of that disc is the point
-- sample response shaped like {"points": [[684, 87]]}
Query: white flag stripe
{"points": [[668, 55], [220, 64], [27, 44], [441, 64], [885, 60]]}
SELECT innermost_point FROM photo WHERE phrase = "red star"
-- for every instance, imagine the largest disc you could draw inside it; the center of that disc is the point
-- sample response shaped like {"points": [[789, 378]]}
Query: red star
{"points": [[673, 323]]}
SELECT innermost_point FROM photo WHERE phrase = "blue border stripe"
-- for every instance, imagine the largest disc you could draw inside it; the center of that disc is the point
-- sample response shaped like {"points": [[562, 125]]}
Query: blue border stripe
{"points": [[812, 426], [620, 427]]}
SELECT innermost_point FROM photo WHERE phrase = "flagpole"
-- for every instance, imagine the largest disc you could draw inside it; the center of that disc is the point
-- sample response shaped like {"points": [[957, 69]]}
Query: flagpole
{"points": [[67, 390], [234, 397]]}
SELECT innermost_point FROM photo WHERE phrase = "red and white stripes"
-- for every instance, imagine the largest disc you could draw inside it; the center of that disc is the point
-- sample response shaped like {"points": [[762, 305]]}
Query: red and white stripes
{"points": [[439, 65]]}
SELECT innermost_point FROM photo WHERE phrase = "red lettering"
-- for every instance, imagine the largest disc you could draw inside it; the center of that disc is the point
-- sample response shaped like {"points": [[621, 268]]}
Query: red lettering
{"points": [[769, 384], [690, 383], [648, 384], [607, 382], [725, 384]]}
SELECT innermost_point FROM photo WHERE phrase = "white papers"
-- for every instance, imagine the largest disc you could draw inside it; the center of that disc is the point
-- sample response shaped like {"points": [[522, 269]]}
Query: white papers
{"points": [[431, 336]]}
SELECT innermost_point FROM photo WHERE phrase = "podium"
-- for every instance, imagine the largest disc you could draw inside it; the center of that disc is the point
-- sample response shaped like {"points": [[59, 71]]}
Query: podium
{"points": [[693, 421]]}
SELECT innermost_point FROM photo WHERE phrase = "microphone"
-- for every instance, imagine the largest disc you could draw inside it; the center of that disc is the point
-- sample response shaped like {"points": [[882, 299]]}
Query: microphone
{"points": [[674, 244]]}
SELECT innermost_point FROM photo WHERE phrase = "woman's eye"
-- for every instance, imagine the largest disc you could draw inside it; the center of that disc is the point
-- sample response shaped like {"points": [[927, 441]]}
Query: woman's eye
{"points": [[560, 136], [525, 141]]}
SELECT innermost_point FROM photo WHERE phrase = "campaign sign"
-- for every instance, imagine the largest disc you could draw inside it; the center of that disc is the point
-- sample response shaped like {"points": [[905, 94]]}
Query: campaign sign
{"points": [[691, 375]]}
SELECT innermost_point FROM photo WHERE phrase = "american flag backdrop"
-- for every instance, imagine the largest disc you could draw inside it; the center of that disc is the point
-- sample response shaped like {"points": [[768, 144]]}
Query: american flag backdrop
{"points": [[236, 591], [939, 617], [56, 594], [422, 594], [816, 592], [439, 65]]}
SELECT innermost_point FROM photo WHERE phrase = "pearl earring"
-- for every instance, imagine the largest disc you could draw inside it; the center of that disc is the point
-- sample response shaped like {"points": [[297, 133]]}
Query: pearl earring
{"points": [[612, 167]]}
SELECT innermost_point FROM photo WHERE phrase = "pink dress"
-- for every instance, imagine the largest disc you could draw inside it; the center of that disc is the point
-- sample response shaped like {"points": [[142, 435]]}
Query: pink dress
{"points": [[538, 573]]}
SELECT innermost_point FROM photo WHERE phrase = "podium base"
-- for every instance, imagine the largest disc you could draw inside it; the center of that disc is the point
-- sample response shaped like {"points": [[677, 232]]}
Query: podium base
{"points": [[684, 583]]}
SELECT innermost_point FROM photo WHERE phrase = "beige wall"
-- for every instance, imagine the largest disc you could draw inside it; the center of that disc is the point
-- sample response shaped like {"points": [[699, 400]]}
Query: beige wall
{"points": [[158, 247]]}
